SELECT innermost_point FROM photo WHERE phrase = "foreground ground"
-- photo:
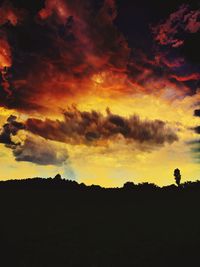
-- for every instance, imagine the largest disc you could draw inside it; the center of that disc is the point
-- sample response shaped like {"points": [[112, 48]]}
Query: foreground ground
{"points": [[57, 224]]}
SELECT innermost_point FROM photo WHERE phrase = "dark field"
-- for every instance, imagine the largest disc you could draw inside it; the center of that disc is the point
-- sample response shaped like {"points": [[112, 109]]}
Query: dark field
{"points": [[48, 223]]}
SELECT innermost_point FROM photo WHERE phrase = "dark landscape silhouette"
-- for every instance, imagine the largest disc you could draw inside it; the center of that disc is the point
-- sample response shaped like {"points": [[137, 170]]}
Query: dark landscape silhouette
{"points": [[57, 222]]}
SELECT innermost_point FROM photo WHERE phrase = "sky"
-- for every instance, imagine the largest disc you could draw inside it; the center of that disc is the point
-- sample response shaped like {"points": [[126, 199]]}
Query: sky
{"points": [[100, 91]]}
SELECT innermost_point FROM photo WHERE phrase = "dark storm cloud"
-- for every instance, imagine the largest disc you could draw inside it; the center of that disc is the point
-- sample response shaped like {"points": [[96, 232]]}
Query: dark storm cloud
{"points": [[177, 40], [197, 112], [90, 127], [39, 151], [34, 148], [63, 44], [182, 20], [54, 47], [10, 14], [197, 129], [10, 129], [195, 144]]}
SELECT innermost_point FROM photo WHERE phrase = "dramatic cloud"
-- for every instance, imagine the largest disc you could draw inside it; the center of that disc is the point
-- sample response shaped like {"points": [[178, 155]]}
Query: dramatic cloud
{"points": [[171, 63], [70, 41], [39, 151], [10, 14], [5, 63], [197, 129], [90, 55], [5, 54], [170, 32], [197, 112], [192, 21], [10, 129], [94, 128], [190, 77], [173, 58], [195, 144], [33, 148], [73, 48]]}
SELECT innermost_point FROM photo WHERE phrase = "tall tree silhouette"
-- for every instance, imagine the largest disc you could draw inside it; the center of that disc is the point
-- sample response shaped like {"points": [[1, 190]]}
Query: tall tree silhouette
{"points": [[177, 175]]}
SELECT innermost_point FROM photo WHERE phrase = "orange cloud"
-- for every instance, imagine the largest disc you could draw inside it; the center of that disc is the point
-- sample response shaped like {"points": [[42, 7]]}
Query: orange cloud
{"points": [[75, 50], [65, 62]]}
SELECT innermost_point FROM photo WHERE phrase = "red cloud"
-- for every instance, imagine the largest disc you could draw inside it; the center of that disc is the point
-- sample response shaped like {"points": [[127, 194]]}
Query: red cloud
{"points": [[66, 62], [9, 14], [192, 21], [5, 54], [70, 43], [57, 7], [168, 32], [190, 77], [5, 62]]}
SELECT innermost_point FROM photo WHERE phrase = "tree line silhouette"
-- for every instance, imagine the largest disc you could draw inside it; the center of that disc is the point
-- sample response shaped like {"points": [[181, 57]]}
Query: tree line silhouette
{"points": [[62, 183], [55, 222]]}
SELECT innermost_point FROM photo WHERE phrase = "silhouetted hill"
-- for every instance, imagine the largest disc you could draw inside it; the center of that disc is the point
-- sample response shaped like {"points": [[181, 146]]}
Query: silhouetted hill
{"points": [[64, 184], [55, 222]]}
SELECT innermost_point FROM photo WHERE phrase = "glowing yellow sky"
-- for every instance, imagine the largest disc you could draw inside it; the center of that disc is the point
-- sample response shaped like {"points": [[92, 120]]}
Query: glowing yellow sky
{"points": [[118, 162]]}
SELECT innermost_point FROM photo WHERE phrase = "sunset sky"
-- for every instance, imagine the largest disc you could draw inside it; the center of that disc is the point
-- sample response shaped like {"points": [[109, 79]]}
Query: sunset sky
{"points": [[100, 91]]}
